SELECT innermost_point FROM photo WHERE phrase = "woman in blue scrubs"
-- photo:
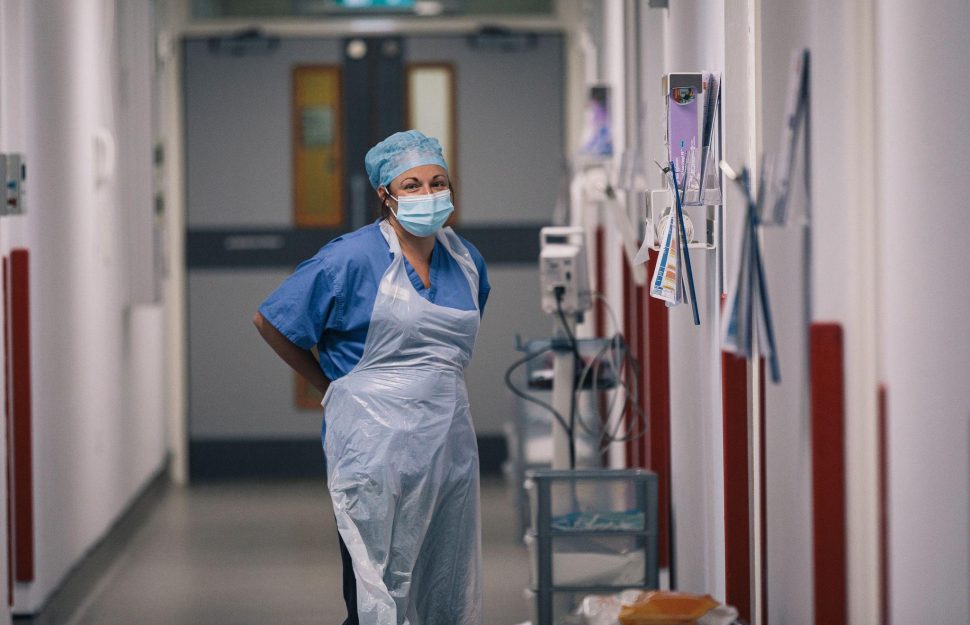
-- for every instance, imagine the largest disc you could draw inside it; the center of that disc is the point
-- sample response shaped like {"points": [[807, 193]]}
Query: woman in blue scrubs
{"points": [[393, 310]]}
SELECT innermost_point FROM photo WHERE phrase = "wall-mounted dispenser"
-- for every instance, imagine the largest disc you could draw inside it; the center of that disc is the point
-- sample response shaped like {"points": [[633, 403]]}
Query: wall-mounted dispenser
{"points": [[692, 100], [13, 174], [699, 221]]}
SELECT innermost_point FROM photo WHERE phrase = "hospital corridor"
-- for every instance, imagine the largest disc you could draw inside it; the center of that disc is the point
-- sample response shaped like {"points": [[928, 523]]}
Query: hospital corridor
{"points": [[254, 552], [484, 312]]}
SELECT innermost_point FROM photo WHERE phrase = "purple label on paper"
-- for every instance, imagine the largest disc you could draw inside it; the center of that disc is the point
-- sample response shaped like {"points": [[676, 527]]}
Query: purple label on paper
{"points": [[682, 134]]}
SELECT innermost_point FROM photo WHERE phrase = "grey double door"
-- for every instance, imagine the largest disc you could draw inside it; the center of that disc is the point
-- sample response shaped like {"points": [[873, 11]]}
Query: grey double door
{"points": [[248, 132]]}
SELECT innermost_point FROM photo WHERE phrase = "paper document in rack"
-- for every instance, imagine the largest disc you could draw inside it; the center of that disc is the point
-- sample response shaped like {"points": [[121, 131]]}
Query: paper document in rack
{"points": [[710, 178], [666, 280], [796, 110], [692, 101], [685, 125], [658, 209], [643, 254], [747, 318]]}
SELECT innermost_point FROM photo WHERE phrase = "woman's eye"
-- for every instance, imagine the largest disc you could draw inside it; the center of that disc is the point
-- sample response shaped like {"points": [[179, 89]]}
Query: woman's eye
{"points": [[440, 184]]}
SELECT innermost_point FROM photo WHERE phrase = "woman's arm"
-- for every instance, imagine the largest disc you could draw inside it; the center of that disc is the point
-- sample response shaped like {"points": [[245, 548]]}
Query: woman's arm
{"points": [[302, 360]]}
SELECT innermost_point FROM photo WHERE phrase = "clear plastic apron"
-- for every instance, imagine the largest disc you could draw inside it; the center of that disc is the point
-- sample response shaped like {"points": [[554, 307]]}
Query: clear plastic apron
{"points": [[402, 458]]}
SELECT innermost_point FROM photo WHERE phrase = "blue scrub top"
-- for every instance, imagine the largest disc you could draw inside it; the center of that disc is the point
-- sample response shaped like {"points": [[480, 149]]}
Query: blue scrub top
{"points": [[329, 299]]}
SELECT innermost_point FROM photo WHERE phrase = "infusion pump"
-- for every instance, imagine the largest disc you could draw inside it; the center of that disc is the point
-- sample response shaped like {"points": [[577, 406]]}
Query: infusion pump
{"points": [[563, 272]]}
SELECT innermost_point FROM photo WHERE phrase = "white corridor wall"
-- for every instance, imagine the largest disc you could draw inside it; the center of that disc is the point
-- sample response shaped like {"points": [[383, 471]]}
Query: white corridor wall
{"points": [[923, 152], [884, 260], [785, 26], [694, 41], [12, 139], [97, 358]]}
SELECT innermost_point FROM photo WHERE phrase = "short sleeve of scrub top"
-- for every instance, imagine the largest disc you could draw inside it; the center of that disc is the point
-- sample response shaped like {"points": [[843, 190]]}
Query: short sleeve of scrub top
{"points": [[329, 299]]}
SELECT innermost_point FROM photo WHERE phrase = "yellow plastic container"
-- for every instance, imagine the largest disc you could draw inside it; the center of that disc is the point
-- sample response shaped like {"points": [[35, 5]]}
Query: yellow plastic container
{"points": [[666, 608]]}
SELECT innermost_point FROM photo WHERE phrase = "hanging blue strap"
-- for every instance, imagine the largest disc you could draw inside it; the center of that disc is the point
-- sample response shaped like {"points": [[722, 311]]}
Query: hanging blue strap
{"points": [[759, 270], [683, 239]]}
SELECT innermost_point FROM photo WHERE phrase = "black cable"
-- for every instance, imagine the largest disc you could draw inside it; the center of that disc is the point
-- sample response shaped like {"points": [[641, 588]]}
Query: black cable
{"points": [[633, 402], [638, 429], [573, 343], [631, 396], [558, 291], [593, 367], [519, 392], [578, 359]]}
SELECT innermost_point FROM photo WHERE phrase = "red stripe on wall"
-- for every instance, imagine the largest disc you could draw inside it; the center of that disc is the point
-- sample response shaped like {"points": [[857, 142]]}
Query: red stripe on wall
{"points": [[657, 365], [22, 462], [7, 423], [883, 425], [828, 472], [737, 514], [763, 454]]}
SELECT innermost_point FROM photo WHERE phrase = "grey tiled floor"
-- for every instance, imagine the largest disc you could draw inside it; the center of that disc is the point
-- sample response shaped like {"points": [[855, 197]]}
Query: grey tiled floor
{"points": [[266, 553]]}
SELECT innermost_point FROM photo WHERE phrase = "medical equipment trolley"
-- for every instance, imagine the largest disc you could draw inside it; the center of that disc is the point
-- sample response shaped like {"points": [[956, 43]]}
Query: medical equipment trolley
{"points": [[593, 531]]}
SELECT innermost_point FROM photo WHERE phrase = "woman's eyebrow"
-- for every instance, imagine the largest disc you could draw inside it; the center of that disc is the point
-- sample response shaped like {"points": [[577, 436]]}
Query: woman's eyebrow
{"points": [[434, 178]]}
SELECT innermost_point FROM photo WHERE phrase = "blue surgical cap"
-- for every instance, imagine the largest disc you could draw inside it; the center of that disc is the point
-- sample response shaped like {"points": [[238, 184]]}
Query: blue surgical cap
{"points": [[400, 152]]}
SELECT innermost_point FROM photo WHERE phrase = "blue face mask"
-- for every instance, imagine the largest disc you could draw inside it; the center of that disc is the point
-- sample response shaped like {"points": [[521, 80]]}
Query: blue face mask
{"points": [[423, 215]]}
